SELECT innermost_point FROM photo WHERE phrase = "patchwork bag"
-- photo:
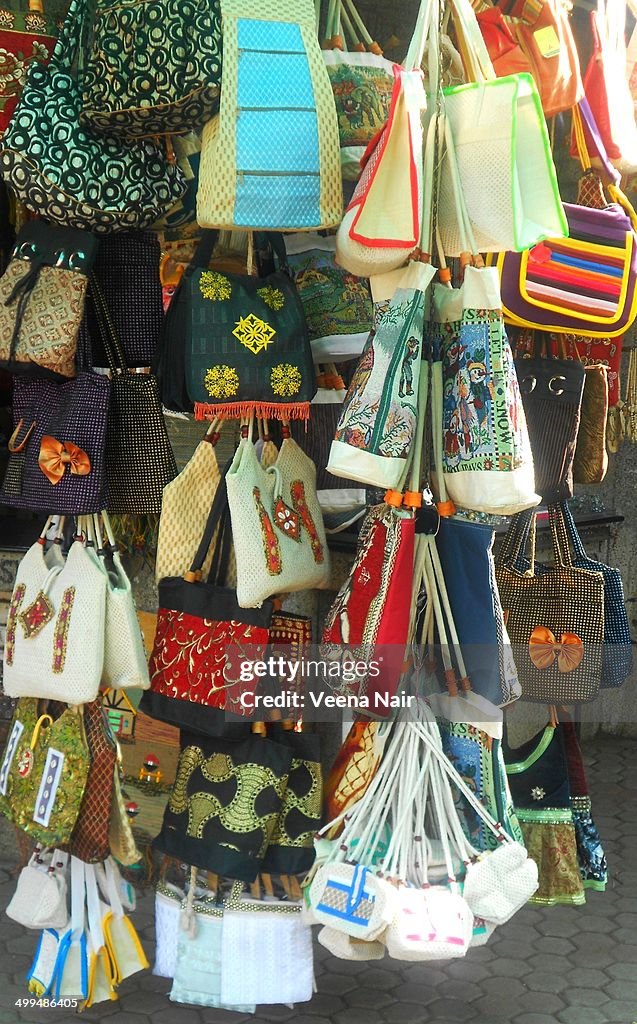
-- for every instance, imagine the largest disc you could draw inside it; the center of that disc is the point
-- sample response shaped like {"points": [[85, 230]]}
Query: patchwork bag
{"points": [[43, 772], [556, 623], [56, 451], [153, 68], [225, 803], [42, 295], [65, 173], [274, 86], [277, 526]]}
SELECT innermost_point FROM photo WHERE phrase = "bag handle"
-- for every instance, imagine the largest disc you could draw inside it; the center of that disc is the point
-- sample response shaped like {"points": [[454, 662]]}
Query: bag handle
{"points": [[96, 932], [473, 50], [77, 899], [424, 26], [215, 518], [572, 531], [70, 37], [107, 331]]}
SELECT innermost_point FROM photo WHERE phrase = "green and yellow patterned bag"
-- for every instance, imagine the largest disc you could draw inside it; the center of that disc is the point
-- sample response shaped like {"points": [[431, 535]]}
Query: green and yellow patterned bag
{"points": [[154, 67], [43, 772]]}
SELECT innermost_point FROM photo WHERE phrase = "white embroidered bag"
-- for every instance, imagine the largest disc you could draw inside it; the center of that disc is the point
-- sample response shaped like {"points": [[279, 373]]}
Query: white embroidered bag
{"points": [[277, 526]]}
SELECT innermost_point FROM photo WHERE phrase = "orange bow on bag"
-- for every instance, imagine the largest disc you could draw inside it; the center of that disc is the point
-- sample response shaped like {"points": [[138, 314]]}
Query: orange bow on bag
{"points": [[56, 455], [544, 649]]}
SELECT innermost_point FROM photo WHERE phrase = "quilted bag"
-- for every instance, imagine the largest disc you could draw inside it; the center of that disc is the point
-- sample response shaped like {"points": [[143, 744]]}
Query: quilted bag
{"points": [[153, 68], [43, 772], [90, 839], [56, 452], [274, 86], [69, 175], [53, 609], [556, 623], [224, 803], [277, 526], [42, 293], [201, 632]]}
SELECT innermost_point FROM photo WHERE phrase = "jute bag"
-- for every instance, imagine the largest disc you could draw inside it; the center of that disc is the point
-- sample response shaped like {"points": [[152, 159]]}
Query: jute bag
{"points": [[271, 159]]}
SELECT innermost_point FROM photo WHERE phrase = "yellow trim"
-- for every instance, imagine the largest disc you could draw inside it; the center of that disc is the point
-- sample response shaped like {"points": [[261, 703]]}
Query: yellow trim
{"points": [[607, 326], [118, 977]]}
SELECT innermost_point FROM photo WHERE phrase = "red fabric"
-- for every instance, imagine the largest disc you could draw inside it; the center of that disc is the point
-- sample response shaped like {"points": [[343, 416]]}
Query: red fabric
{"points": [[553, 273], [506, 55], [191, 655], [17, 53]]}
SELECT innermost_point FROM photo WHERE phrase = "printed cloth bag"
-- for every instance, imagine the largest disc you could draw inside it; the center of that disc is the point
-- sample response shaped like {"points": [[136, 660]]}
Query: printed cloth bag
{"points": [[372, 608], [224, 803], [552, 392], [43, 772], [556, 622], [590, 463], [617, 658], [90, 839], [590, 852], [56, 452], [266, 952], [52, 610], [127, 273], [274, 86], [375, 433], [486, 454], [337, 305], [503, 152], [351, 898], [153, 68], [139, 458], [202, 633], [42, 295], [466, 556], [536, 37], [277, 526], [69, 175], [28, 34], [291, 845]]}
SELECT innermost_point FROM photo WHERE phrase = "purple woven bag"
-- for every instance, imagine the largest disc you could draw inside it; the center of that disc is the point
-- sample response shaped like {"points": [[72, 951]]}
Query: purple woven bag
{"points": [[76, 412]]}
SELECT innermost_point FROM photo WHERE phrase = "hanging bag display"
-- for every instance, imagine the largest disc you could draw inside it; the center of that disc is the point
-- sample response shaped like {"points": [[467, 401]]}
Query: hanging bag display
{"points": [[86, 180], [42, 295], [153, 68], [556, 623], [506, 169], [277, 526], [52, 610], [43, 772], [224, 803], [57, 449], [381, 226], [201, 629], [274, 86]]}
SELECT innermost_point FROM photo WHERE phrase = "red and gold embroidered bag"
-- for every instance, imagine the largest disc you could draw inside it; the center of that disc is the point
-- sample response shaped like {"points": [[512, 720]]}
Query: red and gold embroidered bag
{"points": [[203, 641], [26, 37]]}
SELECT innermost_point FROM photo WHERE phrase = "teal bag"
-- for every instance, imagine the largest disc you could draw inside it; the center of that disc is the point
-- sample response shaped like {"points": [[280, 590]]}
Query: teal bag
{"points": [[70, 175]]}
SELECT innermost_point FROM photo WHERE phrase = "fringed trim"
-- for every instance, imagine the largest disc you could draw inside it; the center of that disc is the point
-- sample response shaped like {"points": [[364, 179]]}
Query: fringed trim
{"points": [[264, 410]]}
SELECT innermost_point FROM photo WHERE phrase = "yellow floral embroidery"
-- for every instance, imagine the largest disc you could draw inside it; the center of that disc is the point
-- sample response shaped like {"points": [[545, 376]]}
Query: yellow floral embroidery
{"points": [[214, 286], [221, 381], [285, 379], [273, 297], [254, 333]]}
